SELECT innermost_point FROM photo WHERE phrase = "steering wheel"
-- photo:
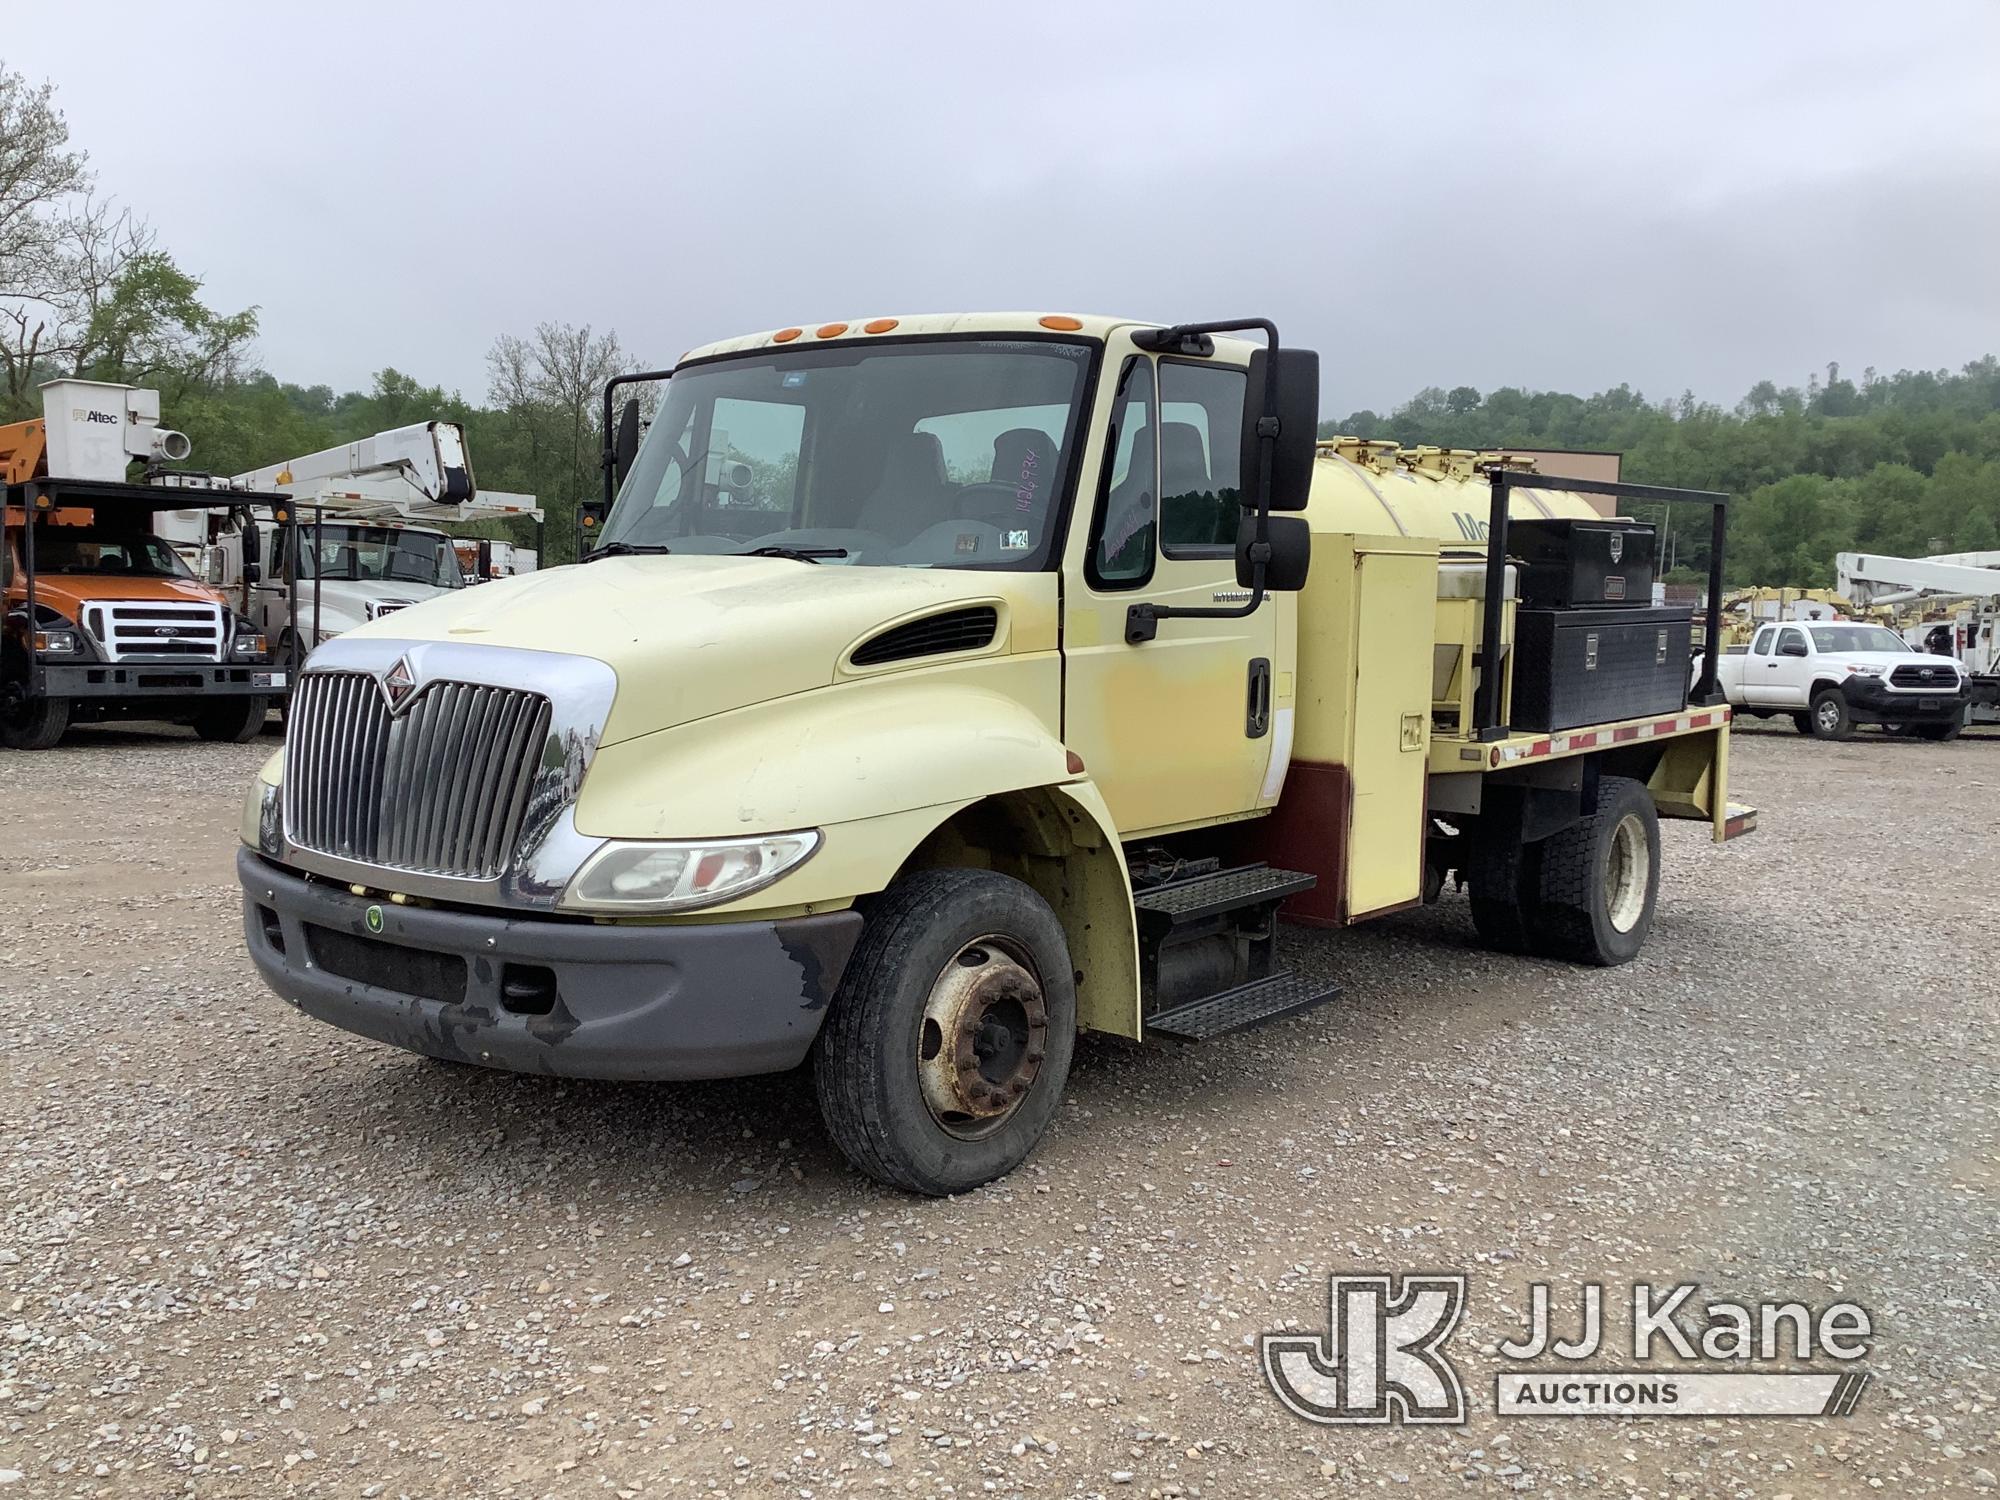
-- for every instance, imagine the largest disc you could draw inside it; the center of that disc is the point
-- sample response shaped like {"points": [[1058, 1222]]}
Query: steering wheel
{"points": [[1005, 498]]}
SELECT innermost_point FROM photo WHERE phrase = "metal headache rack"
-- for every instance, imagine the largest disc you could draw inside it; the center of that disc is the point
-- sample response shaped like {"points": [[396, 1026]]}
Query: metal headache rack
{"points": [[1487, 724]]}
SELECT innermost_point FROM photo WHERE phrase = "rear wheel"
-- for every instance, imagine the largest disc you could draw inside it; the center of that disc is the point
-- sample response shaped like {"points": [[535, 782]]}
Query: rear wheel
{"points": [[1600, 879], [236, 720], [947, 1046], [1829, 716]]}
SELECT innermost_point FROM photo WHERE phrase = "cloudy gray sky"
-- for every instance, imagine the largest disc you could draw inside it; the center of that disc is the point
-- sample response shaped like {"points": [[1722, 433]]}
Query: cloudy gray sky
{"points": [[1682, 196]]}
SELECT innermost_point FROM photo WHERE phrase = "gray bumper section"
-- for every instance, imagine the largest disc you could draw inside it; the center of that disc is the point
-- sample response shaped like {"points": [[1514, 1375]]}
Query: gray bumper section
{"points": [[716, 1000]]}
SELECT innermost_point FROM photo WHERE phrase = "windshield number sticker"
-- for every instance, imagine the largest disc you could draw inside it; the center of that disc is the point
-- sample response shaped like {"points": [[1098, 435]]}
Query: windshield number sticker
{"points": [[1015, 541]]}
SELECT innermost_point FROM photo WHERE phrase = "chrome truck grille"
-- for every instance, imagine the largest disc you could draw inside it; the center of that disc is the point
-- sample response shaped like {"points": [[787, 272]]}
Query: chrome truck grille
{"points": [[163, 631], [438, 784]]}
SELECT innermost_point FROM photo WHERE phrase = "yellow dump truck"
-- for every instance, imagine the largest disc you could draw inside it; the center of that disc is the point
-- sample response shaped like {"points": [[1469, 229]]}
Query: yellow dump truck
{"points": [[940, 687]]}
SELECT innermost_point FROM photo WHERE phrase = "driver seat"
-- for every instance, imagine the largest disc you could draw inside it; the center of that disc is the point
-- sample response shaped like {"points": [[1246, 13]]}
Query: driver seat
{"points": [[1024, 463], [911, 490]]}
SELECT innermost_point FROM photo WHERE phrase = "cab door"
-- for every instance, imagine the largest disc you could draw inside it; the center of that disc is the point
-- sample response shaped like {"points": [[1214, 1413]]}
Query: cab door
{"points": [[1791, 669], [1182, 729]]}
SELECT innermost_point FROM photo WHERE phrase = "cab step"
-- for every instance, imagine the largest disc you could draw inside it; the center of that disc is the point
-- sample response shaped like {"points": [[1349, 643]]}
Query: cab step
{"points": [[1165, 907], [1245, 1006]]}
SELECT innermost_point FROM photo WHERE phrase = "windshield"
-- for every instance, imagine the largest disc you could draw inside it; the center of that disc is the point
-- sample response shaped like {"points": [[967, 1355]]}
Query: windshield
{"points": [[86, 549], [1857, 638], [946, 453], [387, 553]]}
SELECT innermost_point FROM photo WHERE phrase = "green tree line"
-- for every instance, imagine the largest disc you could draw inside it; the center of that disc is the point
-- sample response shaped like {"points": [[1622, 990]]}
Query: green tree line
{"points": [[1907, 464]]}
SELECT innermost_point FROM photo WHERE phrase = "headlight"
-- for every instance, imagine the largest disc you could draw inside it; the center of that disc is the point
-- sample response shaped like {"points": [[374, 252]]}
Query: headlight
{"points": [[246, 639], [661, 875], [1866, 671], [56, 642]]}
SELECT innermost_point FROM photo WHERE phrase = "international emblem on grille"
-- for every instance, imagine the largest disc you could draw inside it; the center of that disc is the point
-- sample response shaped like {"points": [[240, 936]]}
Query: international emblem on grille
{"points": [[398, 684]]}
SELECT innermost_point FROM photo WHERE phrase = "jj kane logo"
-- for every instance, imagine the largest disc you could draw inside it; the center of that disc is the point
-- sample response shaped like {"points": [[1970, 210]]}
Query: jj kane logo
{"points": [[1382, 1357]]}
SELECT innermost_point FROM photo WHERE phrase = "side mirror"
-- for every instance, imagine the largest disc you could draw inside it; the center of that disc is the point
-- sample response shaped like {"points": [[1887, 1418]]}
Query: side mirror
{"points": [[1792, 648], [1291, 553], [1296, 407], [626, 447], [253, 549]]}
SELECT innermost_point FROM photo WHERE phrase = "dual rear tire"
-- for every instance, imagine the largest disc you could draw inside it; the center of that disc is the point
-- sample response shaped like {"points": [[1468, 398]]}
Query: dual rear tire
{"points": [[1584, 895]]}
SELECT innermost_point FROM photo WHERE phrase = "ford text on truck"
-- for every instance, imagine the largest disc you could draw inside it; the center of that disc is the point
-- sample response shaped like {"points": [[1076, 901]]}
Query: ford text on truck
{"points": [[943, 686], [1829, 675]]}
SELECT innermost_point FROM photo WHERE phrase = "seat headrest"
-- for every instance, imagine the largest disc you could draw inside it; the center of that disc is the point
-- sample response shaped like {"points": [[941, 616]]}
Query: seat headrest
{"points": [[1183, 460], [1024, 459], [914, 459]]}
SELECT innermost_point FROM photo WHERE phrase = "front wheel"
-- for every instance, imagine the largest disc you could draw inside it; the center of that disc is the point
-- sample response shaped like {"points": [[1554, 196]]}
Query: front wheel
{"points": [[234, 720], [1830, 719], [946, 1049], [30, 723], [1601, 879], [1941, 733]]}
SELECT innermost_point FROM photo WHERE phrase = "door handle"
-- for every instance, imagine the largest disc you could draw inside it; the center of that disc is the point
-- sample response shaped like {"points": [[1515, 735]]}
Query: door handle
{"points": [[1257, 721]]}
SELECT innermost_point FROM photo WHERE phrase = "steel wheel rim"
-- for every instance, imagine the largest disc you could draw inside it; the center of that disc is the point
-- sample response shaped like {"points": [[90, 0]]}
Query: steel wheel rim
{"points": [[1627, 873], [982, 1037], [1829, 715]]}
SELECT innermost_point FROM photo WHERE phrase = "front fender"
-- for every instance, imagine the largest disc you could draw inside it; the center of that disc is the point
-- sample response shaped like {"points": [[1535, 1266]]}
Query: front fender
{"points": [[877, 765]]}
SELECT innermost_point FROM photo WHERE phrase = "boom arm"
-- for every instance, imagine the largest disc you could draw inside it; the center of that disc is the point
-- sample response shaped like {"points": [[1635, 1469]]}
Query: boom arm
{"points": [[419, 472], [1868, 579]]}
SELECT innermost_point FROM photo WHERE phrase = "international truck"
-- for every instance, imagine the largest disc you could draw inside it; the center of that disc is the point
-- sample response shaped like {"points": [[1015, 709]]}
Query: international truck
{"points": [[102, 619], [995, 678]]}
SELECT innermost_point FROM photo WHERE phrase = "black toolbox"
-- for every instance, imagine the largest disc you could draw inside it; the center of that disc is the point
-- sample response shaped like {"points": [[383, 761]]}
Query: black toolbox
{"points": [[1593, 666], [1574, 564]]}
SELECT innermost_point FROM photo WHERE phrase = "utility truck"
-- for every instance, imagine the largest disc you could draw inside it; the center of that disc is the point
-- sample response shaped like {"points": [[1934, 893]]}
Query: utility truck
{"points": [[368, 543], [1948, 605], [998, 677], [102, 618]]}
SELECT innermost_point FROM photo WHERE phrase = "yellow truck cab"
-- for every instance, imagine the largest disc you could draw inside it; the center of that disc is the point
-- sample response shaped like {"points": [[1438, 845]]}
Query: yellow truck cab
{"points": [[940, 687]]}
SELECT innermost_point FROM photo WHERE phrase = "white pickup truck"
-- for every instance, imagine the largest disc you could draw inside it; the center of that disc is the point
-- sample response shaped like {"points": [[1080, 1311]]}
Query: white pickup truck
{"points": [[1830, 676]]}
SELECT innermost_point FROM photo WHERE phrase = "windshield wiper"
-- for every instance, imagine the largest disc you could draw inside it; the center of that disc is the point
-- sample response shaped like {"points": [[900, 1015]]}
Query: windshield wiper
{"points": [[796, 554], [626, 549]]}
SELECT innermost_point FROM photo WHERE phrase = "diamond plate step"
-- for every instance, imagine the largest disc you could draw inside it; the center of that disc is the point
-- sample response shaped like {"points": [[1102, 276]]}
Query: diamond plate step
{"points": [[1168, 906], [1241, 1008]]}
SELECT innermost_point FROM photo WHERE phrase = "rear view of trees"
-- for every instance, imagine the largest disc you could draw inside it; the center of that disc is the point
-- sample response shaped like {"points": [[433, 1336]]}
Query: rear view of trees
{"points": [[1906, 464]]}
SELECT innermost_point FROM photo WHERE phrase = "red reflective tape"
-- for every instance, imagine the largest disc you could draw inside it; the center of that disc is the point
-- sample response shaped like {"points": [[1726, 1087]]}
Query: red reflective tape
{"points": [[1631, 733]]}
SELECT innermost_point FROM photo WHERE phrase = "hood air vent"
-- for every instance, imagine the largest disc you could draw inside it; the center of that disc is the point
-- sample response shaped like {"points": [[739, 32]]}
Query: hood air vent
{"points": [[934, 635]]}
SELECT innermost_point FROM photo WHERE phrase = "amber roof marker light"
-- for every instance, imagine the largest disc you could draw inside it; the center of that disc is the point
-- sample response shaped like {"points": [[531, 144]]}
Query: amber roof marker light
{"points": [[786, 335], [829, 330], [879, 325], [1062, 323]]}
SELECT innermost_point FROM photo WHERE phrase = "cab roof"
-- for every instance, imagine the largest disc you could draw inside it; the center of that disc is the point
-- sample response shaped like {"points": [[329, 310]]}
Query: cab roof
{"points": [[1091, 326]]}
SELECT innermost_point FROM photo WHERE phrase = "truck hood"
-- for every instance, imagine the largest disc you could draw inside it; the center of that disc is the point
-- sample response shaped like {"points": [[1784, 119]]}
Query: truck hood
{"points": [[693, 636], [344, 601], [69, 592]]}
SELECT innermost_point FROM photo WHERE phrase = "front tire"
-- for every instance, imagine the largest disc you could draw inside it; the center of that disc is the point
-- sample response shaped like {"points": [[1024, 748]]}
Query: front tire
{"points": [[944, 1054], [1829, 717], [236, 721], [31, 723], [1600, 879]]}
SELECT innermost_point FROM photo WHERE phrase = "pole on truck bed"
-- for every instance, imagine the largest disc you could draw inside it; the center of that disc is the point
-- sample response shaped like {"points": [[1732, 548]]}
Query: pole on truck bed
{"points": [[1487, 724]]}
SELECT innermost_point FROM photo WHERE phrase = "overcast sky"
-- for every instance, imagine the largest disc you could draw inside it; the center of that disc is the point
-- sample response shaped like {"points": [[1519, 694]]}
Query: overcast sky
{"points": [[1568, 196]]}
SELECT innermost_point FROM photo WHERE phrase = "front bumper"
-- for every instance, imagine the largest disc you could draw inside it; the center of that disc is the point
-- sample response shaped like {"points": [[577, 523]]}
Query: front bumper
{"points": [[533, 994], [1872, 701], [174, 679]]}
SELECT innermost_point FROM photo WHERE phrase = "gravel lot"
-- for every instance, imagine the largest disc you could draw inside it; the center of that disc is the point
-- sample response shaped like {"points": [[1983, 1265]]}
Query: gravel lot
{"points": [[244, 1254]]}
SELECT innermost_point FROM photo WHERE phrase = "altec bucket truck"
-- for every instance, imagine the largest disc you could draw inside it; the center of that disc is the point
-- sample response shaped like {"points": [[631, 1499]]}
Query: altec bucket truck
{"points": [[102, 618], [368, 541]]}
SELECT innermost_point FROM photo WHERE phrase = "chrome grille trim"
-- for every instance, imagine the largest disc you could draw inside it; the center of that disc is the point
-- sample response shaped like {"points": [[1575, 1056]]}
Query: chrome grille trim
{"points": [[416, 790], [130, 631]]}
